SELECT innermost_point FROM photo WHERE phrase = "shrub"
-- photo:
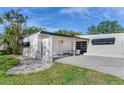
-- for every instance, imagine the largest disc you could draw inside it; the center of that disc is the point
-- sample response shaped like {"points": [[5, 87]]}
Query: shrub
{"points": [[3, 52]]}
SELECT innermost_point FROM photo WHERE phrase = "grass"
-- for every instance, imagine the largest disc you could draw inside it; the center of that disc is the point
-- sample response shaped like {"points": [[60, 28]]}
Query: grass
{"points": [[58, 74], [7, 62]]}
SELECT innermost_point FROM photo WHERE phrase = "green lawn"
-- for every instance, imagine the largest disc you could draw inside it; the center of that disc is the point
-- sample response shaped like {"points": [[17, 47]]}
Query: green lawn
{"points": [[58, 74], [7, 62]]}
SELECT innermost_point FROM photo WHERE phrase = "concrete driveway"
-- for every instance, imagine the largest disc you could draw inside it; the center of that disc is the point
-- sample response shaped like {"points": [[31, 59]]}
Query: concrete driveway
{"points": [[109, 65]]}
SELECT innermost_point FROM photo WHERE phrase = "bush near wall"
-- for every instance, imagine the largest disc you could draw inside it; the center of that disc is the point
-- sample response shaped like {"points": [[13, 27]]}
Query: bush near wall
{"points": [[3, 52]]}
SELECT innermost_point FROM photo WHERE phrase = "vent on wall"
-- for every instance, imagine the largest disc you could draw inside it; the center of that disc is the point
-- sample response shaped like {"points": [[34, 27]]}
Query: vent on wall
{"points": [[103, 41]]}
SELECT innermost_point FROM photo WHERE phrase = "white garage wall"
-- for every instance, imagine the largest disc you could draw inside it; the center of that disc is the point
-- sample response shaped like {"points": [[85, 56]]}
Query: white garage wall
{"points": [[114, 50]]}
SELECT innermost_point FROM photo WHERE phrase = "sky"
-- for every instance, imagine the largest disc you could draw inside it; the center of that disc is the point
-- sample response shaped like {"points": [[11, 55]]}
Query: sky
{"points": [[69, 18]]}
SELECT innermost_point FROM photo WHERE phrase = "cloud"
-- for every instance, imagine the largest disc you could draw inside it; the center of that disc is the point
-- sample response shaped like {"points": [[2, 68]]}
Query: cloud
{"points": [[80, 11], [35, 18], [33, 9], [108, 13], [38, 21], [41, 22], [85, 13], [74, 10], [113, 13]]}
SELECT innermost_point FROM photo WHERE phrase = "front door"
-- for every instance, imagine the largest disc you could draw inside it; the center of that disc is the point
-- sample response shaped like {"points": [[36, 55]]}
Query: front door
{"points": [[82, 46]]}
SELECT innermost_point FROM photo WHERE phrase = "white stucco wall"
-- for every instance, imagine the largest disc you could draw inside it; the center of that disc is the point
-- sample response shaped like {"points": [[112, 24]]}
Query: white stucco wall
{"points": [[45, 48], [40, 47], [60, 48], [33, 39], [56, 46], [112, 50]]}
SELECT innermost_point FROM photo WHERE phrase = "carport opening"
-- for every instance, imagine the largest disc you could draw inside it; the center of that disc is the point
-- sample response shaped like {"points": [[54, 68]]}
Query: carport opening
{"points": [[82, 46]]}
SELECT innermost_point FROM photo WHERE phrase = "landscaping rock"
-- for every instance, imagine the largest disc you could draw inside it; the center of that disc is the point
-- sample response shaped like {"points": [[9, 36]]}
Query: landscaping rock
{"points": [[29, 66]]}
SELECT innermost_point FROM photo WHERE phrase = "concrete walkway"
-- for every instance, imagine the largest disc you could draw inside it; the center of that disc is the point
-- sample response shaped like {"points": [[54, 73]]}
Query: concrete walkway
{"points": [[109, 65]]}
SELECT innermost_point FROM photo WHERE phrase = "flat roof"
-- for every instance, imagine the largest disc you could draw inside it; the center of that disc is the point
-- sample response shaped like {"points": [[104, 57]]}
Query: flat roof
{"points": [[54, 34], [101, 35]]}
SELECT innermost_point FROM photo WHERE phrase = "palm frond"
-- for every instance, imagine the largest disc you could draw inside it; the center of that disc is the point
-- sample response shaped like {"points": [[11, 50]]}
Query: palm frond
{"points": [[1, 21]]}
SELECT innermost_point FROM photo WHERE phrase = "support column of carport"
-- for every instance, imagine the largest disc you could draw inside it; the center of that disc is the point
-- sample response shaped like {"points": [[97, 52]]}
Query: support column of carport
{"points": [[74, 47], [51, 48]]}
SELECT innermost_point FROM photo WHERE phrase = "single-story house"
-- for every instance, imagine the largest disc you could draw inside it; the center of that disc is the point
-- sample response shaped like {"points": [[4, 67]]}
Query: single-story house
{"points": [[47, 46]]}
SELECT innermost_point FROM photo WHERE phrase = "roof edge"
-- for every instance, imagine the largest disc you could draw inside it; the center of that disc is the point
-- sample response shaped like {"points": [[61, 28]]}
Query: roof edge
{"points": [[50, 33]]}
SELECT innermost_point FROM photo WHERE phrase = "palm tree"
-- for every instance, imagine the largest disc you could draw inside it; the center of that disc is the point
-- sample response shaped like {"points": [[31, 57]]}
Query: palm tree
{"points": [[32, 30], [14, 25]]}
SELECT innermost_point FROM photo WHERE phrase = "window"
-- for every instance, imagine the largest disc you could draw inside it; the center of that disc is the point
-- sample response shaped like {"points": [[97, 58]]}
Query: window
{"points": [[103, 41], [26, 44]]}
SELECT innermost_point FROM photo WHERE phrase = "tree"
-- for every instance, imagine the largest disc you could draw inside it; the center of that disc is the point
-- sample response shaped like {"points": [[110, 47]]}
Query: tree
{"points": [[0, 39], [32, 30], [92, 30], [67, 32], [14, 24], [106, 27]]}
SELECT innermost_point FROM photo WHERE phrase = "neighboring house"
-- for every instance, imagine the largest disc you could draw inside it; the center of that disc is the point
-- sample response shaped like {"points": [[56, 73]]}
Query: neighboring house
{"points": [[47, 45], [110, 45]]}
